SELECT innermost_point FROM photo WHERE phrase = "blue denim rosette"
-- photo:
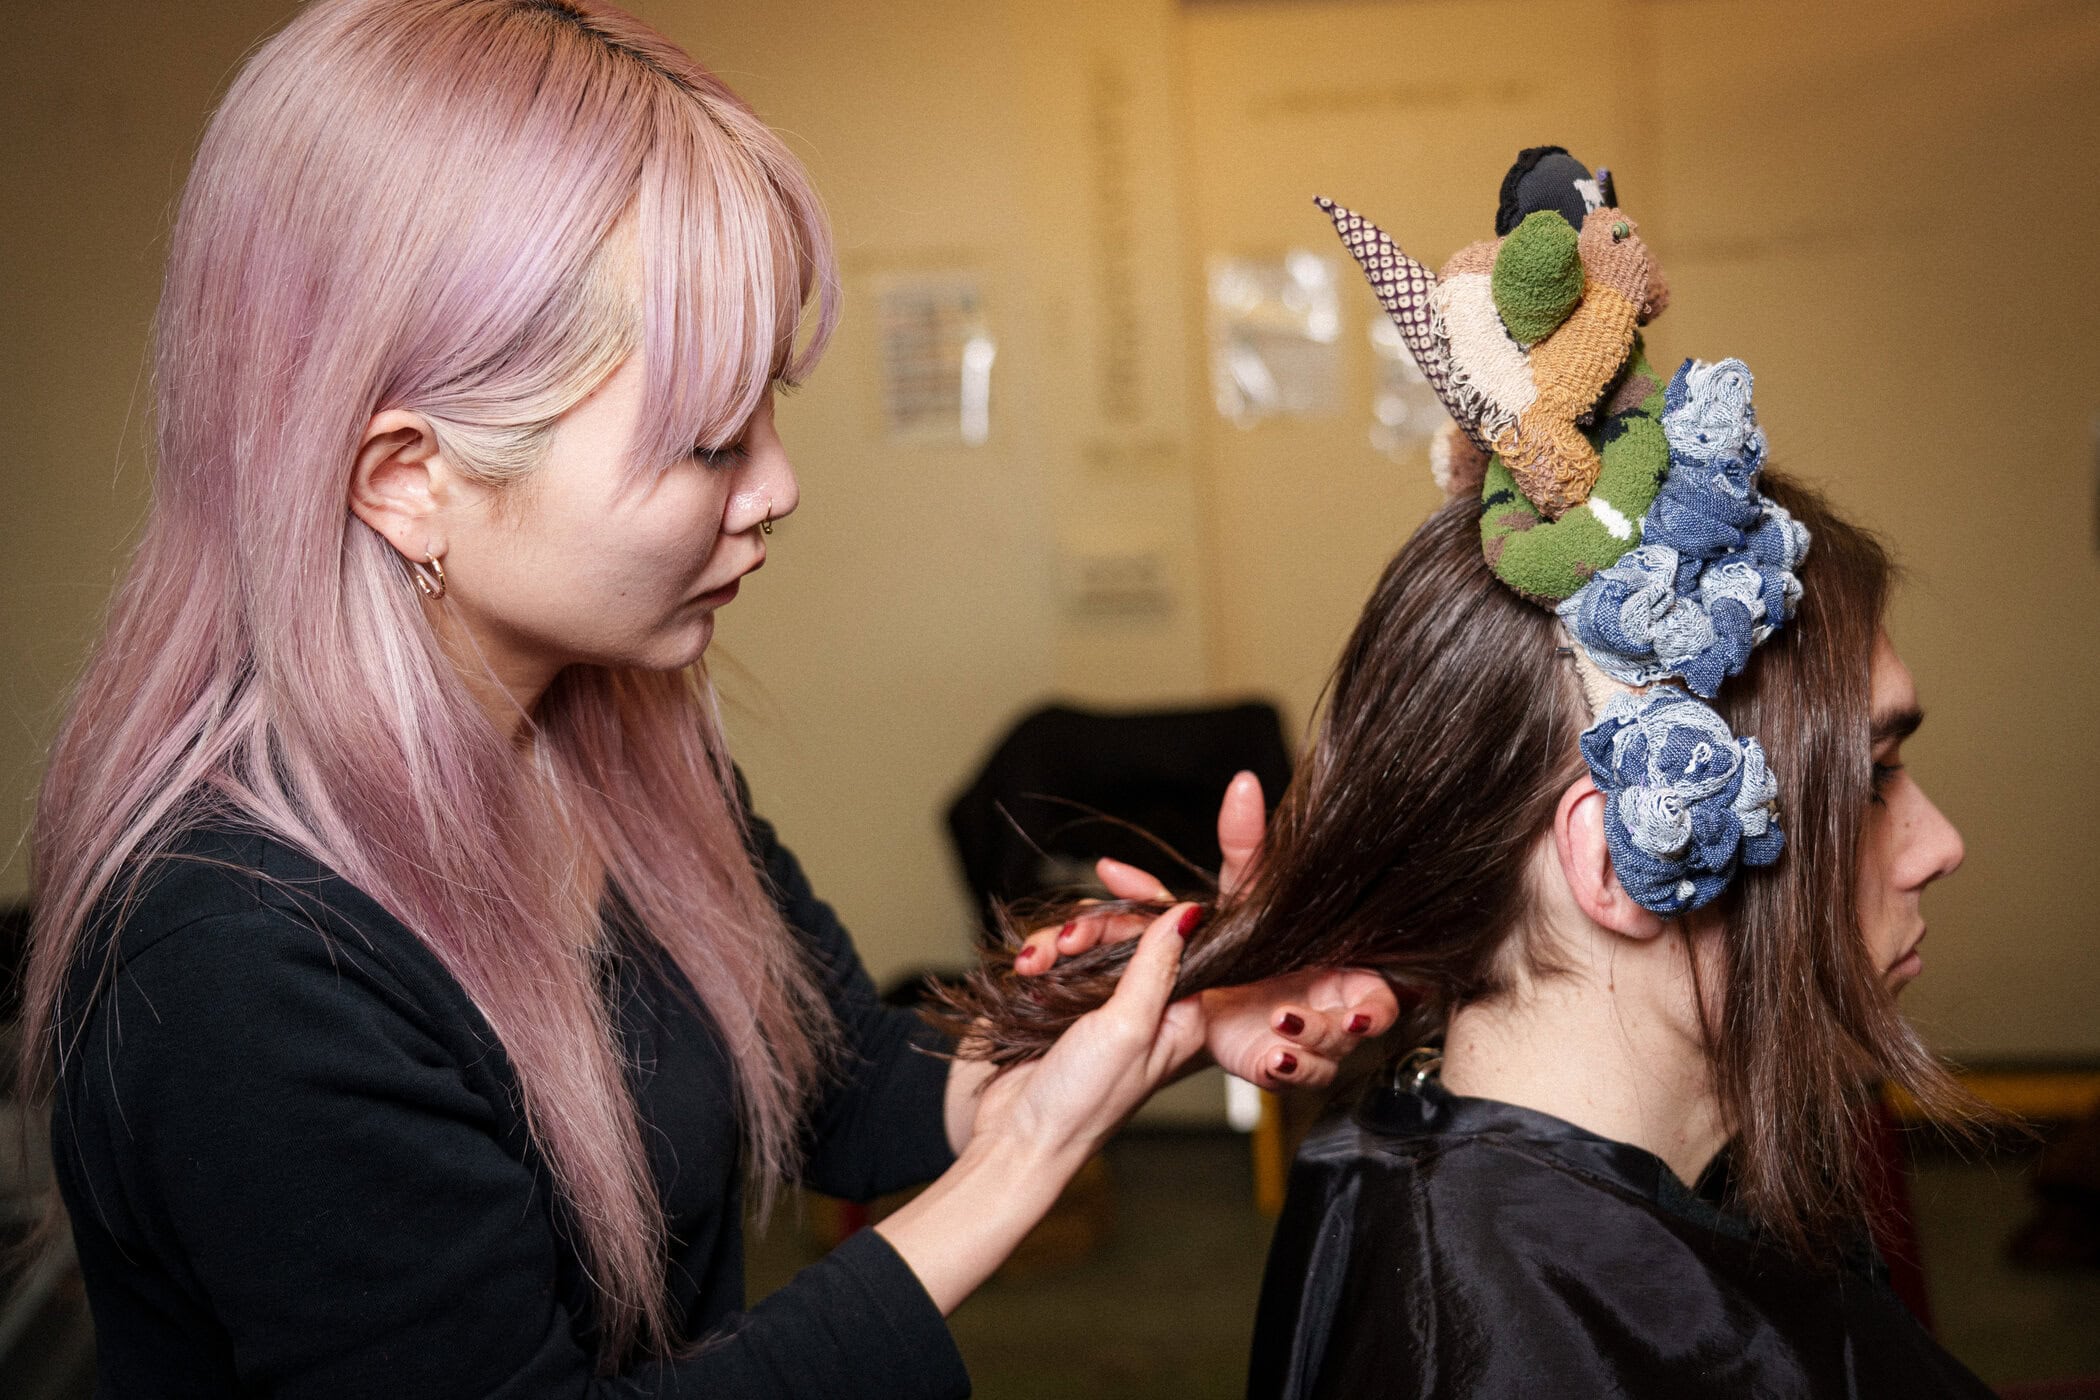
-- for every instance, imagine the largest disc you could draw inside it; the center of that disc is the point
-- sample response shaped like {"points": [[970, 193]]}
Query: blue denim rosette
{"points": [[1713, 575], [1686, 802]]}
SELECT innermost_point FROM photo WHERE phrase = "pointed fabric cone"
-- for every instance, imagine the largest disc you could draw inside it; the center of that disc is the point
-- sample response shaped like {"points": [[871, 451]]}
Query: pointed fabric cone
{"points": [[1406, 289]]}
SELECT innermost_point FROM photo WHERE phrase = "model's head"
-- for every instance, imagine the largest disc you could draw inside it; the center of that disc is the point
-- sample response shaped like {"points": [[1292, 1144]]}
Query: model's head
{"points": [[420, 233], [1444, 829]]}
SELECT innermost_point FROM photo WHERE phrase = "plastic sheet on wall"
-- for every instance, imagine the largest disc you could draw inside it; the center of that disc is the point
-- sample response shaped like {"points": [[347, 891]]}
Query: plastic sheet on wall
{"points": [[1275, 328], [1405, 411], [937, 353]]}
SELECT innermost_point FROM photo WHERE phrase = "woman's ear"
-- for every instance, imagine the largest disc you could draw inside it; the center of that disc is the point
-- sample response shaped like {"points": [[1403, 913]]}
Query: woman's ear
{"points": [[1585, 861], [401, 484]]}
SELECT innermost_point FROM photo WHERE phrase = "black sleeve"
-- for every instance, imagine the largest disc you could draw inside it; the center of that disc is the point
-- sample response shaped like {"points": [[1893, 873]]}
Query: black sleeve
{"points": [[882, 1124], [267, 1113]]}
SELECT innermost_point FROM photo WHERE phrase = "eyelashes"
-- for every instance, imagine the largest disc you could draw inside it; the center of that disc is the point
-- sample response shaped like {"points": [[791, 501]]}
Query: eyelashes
{"points": [[727, 455], [1884, 774]]}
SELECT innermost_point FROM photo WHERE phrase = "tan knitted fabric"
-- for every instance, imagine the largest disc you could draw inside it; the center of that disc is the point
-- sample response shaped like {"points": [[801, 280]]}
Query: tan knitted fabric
{"points": [[1553, 463], [1457, 463], [1488, 370]]}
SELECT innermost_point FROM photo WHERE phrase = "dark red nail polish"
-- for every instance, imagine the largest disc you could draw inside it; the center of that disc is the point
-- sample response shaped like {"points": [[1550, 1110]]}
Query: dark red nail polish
{"points": [[1359, 1023], [1286, 1063], [1070, 924], [1027, 952], [1190, 917], [1291, 1024]]}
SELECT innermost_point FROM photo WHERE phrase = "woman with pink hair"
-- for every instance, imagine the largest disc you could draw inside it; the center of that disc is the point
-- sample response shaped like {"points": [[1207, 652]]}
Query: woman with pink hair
{"points": [[412, 986]]}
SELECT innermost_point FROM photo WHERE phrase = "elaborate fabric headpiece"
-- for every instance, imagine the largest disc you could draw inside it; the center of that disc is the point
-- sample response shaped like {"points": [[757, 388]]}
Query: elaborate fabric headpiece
{"points": [[1628, 506]]}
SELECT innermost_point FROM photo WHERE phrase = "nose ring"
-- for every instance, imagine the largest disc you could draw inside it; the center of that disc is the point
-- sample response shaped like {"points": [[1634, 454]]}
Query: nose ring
{"points": [[765, 526]]}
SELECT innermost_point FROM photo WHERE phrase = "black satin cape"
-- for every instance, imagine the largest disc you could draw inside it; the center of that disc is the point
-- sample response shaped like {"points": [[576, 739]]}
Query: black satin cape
{"points": [[1433, 1245]]}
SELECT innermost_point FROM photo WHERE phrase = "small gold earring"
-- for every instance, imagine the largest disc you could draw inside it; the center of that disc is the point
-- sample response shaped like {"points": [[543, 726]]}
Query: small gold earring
{"points": [[430, 577]]}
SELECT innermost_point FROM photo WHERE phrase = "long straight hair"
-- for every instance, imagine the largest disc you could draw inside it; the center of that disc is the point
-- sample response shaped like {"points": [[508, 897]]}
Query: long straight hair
{"points": [[474, 210], [1405, 842]]}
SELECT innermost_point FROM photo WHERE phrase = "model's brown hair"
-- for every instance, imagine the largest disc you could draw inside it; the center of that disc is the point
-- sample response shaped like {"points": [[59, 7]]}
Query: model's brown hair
{"points": [[1402, 845]]}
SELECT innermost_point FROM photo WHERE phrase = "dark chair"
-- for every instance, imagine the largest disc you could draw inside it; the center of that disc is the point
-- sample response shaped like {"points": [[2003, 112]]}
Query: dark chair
{"points": [[1066, 786]]}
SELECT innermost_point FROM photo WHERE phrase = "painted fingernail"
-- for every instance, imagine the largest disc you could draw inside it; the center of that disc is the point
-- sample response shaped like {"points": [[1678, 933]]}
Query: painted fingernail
{"points": [[1359, 1024], [1066, 931], [1286, 1063], [1027, 954], [1291, 1024], [1190, 917]]}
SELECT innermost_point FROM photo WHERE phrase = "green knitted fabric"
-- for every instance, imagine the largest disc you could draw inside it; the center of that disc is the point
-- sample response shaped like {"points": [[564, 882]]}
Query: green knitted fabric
{"points": [[1538, 277], [1548, 560]]}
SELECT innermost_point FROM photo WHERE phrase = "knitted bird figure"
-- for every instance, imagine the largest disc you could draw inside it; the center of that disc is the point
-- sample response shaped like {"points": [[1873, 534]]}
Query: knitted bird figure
{"points": [[1531, 340]]}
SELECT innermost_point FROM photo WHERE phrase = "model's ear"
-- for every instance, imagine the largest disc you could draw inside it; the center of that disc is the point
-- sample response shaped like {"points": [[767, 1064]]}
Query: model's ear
{"points": [[1585, 860], [401, 484]]}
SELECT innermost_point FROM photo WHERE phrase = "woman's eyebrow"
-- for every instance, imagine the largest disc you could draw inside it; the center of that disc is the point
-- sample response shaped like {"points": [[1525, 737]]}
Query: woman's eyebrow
{"points": [[1897, 725]]}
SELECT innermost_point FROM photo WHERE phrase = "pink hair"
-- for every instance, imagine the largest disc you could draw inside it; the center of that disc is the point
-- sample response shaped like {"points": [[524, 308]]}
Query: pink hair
{"points": [[442, 206]]}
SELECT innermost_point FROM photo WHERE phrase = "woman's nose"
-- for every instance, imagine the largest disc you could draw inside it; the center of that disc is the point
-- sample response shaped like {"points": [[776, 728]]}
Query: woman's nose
{"points": [[766, 490]]}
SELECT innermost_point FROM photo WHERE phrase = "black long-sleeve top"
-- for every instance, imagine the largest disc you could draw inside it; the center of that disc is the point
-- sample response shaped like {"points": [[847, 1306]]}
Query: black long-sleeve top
{"points": [[295, 1164]]}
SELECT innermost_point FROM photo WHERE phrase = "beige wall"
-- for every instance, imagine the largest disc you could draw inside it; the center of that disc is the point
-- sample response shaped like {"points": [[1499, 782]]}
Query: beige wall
{"points": [[1887, 213]]}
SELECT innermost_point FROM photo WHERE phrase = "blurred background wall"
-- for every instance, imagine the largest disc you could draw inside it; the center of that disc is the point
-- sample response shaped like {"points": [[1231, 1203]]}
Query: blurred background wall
{"points": [[1889, 211]]}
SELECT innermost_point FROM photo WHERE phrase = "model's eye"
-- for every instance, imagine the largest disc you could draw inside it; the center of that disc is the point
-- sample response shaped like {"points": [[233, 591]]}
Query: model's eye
{"points": [[727, 455], [1884, 775]]}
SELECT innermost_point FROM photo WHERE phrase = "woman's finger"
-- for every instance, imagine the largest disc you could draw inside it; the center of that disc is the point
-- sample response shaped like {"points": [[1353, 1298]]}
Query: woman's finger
{"points": [[1088, 930], [1148, 980], [1128, 882], [1038, 952], [1242, 820], [1323, 1033]]}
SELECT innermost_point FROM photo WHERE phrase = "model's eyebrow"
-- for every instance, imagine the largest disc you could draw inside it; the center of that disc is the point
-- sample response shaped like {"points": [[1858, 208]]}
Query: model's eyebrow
{"points": [[1897, 726]]}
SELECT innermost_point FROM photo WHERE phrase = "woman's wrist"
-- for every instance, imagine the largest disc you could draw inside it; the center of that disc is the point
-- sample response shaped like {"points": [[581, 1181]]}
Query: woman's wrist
{"points": [[962, 1227]]}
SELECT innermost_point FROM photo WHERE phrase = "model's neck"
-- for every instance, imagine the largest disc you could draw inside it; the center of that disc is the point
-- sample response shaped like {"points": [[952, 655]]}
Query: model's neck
{"points": [[1573, 1047]]}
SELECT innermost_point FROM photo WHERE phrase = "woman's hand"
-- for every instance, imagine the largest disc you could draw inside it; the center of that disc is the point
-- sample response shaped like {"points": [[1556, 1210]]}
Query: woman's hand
{"points": [[1290, 1031], [1036, 1124], [1112, 1058]]}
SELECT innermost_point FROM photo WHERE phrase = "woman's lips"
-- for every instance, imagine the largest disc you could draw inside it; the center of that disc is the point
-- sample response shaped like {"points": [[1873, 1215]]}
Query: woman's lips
{"points": [[716, 597]]}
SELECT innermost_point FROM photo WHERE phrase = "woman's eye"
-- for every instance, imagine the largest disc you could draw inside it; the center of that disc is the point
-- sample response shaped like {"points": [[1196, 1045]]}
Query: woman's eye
{"points": [[727, 455]]}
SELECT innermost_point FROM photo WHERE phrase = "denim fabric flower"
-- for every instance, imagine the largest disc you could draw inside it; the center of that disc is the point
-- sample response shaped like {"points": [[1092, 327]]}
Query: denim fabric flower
{"points": [[1686, 802], [1709, 504], [1714, 573]]}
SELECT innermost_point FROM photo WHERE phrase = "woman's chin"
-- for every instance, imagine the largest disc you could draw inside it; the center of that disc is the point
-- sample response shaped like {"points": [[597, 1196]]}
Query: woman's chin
{"points": [[677, 645], [692, 640]]}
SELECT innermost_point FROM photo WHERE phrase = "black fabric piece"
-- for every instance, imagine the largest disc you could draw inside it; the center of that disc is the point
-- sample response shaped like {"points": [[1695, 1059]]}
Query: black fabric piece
{"points": [[1436, 1246], [1543, 177], [1502, 496], [296, 1167]]}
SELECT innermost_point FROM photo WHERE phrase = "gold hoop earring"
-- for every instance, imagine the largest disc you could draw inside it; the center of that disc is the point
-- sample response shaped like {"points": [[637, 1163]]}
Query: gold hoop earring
{"points": [[430, 577]]}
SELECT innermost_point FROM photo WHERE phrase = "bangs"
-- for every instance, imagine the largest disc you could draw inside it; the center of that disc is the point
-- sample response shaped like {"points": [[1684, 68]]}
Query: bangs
{"points": [[734, 248]]}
